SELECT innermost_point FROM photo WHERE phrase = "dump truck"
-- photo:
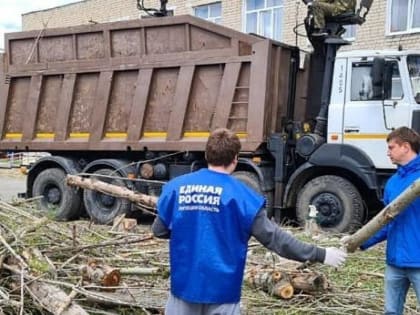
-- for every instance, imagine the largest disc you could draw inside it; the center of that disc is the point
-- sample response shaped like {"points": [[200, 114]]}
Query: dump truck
{"points": [[133, 102]]}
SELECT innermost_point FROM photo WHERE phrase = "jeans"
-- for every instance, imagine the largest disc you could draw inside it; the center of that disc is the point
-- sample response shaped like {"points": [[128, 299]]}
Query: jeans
{"points": [[397, 283], [176, 306]]}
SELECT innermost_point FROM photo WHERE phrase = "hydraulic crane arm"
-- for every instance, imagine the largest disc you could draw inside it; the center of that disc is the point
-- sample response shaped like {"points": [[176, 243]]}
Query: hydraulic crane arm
{"points": [[152, 11], [325, 50]]}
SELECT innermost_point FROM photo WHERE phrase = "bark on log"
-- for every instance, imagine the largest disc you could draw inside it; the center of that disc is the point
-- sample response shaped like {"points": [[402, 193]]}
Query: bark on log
{"points": [[143, 271], [64, 306], [309, 282], [382, 218], [116, 191], [50, 297], [54, 299]]}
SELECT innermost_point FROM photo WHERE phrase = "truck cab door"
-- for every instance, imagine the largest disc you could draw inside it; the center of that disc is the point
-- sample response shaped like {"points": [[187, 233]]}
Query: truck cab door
{"points": [[372, 111], [396, 105]]}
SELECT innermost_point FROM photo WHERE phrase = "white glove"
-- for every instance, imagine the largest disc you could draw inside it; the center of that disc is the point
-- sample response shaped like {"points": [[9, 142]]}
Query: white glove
{"points": [[334, 257]]}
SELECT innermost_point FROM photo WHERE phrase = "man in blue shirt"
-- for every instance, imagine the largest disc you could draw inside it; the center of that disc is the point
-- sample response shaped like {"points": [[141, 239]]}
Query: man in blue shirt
{"points": [[403, 233], [209, 217]]}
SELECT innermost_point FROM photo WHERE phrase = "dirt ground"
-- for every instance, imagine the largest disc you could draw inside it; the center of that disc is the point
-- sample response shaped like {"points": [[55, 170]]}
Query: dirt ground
{"points": [[12, 182]]}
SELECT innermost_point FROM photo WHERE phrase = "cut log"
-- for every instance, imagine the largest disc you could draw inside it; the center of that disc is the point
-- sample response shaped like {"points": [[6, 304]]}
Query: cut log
{"points": [[387, 214], [285, 284], [102, 275], [54, 299], [48, 296], [283, 288], [275, 283], [65, 305], [116, 191], [309, 282]]}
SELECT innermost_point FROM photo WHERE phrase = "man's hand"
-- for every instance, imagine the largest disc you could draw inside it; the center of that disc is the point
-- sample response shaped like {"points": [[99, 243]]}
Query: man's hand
{"points": [[334, 257], [344, 240]]}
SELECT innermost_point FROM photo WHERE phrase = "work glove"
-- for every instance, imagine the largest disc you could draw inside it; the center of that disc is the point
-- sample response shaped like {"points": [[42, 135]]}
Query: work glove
{"points": [[334, 257]]}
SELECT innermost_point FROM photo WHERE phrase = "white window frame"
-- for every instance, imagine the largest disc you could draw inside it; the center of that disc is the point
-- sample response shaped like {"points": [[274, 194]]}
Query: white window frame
{"points": [[213, 18], [244, 13], [409, 29]]}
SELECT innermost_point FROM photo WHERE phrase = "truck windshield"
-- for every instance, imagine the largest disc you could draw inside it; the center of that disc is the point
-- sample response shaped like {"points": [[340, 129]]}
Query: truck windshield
{"points": [[413, 62]]}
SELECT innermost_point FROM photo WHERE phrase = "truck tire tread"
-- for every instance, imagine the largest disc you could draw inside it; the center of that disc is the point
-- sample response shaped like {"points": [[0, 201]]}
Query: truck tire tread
{"points": [[70, 202], [98, 212], [344, 190]]}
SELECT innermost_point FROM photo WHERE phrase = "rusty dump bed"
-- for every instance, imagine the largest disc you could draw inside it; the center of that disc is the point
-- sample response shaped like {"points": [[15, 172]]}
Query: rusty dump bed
{"points": [[158, 83]]}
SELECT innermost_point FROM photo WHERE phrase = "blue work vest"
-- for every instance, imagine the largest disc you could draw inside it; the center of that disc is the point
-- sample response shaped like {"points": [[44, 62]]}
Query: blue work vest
{"points": [[210, 216]]}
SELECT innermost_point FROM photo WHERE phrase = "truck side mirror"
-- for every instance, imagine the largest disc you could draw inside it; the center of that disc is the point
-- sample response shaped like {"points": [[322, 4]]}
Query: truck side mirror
{"points": [[377, 74]]}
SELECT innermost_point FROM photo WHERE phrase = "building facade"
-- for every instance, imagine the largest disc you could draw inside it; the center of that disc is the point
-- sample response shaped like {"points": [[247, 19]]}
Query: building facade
{"points": [[389, 24]]}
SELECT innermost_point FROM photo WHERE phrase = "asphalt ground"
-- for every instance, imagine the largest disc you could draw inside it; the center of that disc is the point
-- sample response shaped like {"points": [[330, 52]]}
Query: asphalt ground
{"points": [[12, 182]]}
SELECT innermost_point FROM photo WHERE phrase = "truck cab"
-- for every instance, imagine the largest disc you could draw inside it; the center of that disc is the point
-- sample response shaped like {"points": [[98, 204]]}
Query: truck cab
{"points": [[373, 93], [344, 173]]}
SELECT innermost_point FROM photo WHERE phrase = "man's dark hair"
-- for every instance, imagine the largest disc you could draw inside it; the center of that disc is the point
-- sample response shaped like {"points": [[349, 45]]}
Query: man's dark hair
{"points": [[405, 134], [222, 147]]}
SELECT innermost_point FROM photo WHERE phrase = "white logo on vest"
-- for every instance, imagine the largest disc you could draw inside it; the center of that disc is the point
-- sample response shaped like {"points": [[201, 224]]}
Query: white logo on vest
{"points": [[199, 198]]}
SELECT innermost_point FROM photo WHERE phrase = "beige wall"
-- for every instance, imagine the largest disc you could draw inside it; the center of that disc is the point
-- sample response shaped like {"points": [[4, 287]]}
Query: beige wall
{"points": [[89, 11], [81, 13], [370, 35]]}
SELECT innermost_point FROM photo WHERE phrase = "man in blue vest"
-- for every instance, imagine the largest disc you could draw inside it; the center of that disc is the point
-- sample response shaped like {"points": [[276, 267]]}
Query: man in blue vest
{"points": [[209, 217], [402, 233]]}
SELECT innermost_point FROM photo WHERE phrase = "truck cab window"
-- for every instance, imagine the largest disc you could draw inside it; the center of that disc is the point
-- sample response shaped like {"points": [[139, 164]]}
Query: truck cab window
{"points": [[361, 82], [396, 92]]}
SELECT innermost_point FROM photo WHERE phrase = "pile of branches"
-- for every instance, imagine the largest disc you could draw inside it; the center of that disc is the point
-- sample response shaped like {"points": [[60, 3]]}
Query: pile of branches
{"points": [[49, 267], [355, 288]]}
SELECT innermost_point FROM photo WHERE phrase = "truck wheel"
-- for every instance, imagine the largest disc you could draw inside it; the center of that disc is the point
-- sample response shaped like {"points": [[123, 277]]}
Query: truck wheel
{"points": [[251, 180], [103, 208], [339, 204], [59, 198]]}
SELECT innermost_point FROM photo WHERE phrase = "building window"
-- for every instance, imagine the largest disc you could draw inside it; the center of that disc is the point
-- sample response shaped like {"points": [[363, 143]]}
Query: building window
{"points": [[211, 12], [264, 17], [402, 17]]}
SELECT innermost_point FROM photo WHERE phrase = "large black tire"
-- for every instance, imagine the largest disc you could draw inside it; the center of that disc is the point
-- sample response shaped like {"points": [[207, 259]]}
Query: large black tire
{"points": [[251, 180], [104, 208], [58, 198], [339, 204]]}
